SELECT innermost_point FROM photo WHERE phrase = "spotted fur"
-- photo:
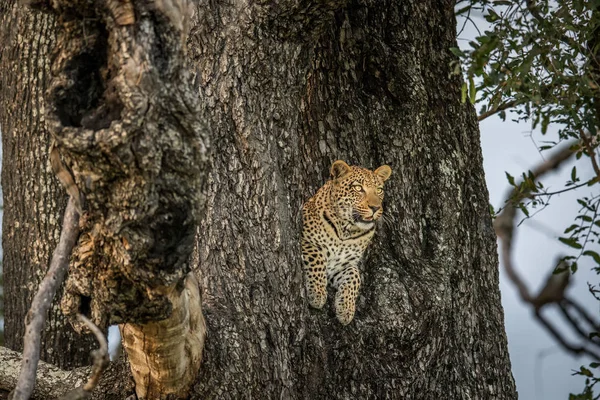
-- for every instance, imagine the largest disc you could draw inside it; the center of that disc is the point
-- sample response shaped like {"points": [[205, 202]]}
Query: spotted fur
{"points": [[338, 224]]}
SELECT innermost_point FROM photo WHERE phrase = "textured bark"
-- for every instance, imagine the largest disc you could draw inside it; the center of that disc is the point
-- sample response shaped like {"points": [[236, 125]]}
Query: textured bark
{"points": [[286, 88], [125, 120], [369, 83], [33, 199]]}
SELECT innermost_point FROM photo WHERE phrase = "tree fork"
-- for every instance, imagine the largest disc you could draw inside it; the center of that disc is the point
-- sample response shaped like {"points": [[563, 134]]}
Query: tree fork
{"points": [[125, 122]]}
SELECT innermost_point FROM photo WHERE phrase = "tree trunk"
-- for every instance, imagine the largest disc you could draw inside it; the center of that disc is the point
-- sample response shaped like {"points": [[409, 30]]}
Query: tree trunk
{"points": [[286, 89], [34, 200]]}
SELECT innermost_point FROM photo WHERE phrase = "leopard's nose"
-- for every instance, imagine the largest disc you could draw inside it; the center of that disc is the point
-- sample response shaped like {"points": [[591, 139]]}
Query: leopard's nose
{"points": [[374, 208]]}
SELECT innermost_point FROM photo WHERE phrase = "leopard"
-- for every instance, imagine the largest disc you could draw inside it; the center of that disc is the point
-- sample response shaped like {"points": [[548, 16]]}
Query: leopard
{"points": [[338, 224]]}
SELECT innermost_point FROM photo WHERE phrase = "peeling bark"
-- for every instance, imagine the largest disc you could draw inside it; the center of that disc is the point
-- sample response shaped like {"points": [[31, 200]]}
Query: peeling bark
{"points": [[150, 347]]}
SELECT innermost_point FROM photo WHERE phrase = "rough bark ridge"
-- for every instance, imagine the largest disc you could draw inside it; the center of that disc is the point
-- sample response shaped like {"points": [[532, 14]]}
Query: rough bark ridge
{"points": [[125, 120], [33, 199], [367, 82]]}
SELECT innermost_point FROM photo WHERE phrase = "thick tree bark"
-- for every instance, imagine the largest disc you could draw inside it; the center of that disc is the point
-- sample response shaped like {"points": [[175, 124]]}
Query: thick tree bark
{"points": [[34, 200], [286, 89], [287, 92]]}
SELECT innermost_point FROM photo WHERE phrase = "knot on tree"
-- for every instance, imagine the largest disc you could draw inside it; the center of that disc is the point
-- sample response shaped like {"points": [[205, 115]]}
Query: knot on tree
{"points": [[126, 124]]}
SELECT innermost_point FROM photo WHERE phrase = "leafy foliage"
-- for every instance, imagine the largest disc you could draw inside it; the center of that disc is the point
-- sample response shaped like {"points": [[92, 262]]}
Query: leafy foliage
{"points": [[540, 62]]}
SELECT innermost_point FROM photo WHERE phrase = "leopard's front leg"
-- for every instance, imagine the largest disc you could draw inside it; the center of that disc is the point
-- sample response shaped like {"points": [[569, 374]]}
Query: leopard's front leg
{"points": [[316, 278], [347, 283]]}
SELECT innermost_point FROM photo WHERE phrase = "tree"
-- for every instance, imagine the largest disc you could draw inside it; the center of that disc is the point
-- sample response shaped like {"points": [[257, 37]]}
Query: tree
{"points": [[285, 89]]}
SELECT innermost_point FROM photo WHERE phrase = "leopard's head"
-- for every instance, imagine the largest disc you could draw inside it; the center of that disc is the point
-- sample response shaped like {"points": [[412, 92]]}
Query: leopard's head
{"points": [[357, 193]]}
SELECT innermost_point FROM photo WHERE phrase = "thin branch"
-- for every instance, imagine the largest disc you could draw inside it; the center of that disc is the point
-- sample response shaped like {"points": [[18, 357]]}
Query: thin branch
{"points": [[36, 317], [583, 313], [499, 108], [553, 291], [558, 337], [101, 361], [575, 324], [586, 183]]}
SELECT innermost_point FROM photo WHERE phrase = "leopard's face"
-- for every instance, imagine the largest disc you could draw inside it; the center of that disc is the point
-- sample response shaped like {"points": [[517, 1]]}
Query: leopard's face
{"points": [[357, 193]]}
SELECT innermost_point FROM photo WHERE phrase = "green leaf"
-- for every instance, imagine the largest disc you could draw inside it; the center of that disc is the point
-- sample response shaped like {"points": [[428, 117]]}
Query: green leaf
{"points": [[456, 51], [510, 178], [574, 174], [569, 229], [592, 254], [524, 209], [571, 242], [463, 93], [462, 10], [545, 122]]}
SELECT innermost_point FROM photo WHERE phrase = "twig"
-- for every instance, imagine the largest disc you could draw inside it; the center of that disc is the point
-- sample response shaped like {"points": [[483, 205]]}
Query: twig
{"points": [[500, 107], [36, 317], [586, 183], [504, 224], [101, 360]]}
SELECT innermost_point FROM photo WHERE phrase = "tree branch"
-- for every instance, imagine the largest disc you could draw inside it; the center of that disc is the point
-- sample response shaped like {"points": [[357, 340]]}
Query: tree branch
{"points": [[554, 289], [500, 107], [53, 382], [101, 361], [36, 317]]}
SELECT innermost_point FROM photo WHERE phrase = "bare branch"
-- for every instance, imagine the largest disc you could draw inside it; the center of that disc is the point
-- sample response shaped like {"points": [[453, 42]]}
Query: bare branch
{"points": [[36, 317], [554, 332], [51, 383], [101, 361], [554, 289]]}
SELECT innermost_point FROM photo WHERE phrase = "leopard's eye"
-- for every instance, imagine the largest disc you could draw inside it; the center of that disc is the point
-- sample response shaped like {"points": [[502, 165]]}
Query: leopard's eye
{"points": [[379, 190], [357, 187]]}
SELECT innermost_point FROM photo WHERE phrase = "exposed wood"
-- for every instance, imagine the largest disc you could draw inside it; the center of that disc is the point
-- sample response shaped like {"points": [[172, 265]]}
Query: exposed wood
{"points": [[150, 347]]}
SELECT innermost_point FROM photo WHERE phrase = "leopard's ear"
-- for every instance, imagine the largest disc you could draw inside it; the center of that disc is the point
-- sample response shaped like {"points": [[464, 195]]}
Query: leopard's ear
{"points": [[383, 172], [339, 169]]}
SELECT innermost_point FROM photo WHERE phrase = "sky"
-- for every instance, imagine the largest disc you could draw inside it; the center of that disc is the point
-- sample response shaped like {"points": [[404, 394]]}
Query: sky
{"points": [[541, 369]]}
